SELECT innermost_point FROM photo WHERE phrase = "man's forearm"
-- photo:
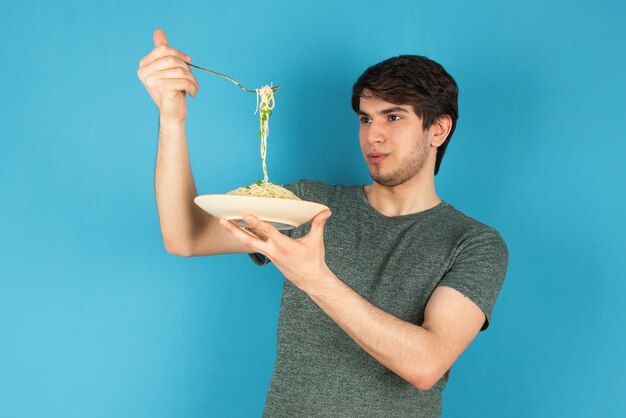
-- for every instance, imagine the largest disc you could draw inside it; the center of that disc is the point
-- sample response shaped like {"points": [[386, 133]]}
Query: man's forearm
{"points": [[406, 349], [175, 188]]}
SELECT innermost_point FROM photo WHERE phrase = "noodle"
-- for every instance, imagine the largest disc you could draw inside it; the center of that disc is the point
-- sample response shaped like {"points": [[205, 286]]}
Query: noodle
{"points": [[264, 105], [264, 189]]}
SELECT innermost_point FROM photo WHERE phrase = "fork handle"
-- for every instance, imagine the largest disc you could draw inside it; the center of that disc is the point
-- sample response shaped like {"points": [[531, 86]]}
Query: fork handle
{"points": [[222, 75]]}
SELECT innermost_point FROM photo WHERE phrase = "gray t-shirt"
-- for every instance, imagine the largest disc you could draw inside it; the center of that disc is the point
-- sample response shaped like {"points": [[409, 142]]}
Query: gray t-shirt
{"points": [[395, 263]]}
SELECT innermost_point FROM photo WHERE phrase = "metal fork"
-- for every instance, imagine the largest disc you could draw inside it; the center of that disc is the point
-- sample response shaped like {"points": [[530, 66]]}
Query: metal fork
{"points": [[228, 78]]}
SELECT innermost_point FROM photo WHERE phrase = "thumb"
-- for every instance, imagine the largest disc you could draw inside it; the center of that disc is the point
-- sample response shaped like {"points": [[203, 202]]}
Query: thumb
{"points": [[317, 226], [159, 37]]}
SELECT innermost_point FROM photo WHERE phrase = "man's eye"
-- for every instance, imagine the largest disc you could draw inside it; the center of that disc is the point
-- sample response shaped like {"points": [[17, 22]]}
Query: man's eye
{"points": [[365, 119], [393, 118]]}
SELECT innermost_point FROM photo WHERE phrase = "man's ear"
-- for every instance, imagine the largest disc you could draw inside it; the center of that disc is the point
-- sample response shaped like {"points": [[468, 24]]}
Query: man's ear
{"points": [[440, 130]]}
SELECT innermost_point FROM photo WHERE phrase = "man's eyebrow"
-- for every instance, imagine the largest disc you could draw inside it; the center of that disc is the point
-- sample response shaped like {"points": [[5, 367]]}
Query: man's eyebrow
{"points": [[392, 110], [386, 111]]}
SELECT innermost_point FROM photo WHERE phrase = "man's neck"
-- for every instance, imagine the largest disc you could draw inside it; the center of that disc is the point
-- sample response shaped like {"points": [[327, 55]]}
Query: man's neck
{"points": [[413, 196]]}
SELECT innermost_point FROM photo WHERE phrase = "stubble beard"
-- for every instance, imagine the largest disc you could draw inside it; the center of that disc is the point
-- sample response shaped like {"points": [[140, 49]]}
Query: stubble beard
{"points": [[410, 165]]}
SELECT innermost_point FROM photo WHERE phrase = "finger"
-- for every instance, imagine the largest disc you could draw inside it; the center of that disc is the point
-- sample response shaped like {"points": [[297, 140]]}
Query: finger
{"points": [[183, 84], [159, 38], [170, 87], [168, 61], [176, 72], [317, 225], [180, 69], [246, 238], [265, 228], [163, 51], [257, 233]]}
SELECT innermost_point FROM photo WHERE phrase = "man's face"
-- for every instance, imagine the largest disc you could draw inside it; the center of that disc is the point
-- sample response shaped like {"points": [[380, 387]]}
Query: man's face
{"points": [[393, 143]]}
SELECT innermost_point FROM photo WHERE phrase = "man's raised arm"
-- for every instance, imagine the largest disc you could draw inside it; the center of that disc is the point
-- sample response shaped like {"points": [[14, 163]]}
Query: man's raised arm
{"points": [[187, 230]]}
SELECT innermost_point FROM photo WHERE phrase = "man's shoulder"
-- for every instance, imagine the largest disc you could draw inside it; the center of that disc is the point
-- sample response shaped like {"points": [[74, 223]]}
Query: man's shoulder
{"points": [[456, 216], [466, 227]]}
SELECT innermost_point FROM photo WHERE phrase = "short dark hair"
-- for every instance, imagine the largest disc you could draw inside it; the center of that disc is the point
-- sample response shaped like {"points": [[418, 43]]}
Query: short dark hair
{"points": [[413, 80]]}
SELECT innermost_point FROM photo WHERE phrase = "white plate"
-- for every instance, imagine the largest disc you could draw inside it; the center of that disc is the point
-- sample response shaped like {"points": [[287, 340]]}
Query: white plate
{"points": [[282, 213]]}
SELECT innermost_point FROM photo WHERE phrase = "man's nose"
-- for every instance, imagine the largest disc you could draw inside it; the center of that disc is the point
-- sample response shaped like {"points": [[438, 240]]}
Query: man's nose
{"points": [[375, 133]]}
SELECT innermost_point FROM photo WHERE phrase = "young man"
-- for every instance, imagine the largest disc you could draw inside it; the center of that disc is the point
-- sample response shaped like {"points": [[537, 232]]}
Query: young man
{"points": [[381, 298]]}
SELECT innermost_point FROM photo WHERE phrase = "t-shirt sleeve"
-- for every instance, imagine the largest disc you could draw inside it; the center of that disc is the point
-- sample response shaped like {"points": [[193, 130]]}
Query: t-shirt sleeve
{"points": [[478, 270], [296, 188]]}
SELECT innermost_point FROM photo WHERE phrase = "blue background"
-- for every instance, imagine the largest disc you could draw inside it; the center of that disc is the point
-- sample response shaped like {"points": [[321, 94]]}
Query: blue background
{"points": [[97, 320]]}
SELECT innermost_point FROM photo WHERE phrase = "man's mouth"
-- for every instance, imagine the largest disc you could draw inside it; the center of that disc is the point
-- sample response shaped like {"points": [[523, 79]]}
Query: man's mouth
{"points": [[376, 157]]}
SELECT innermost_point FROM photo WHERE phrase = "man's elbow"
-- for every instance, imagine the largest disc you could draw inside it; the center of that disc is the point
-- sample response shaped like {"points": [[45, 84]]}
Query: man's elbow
{"points": [[425, 377], [176, 249], [423, 382]]}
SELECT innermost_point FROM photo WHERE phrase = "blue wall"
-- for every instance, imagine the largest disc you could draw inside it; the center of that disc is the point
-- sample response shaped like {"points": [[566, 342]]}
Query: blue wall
{"points": [[97, 320]]}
